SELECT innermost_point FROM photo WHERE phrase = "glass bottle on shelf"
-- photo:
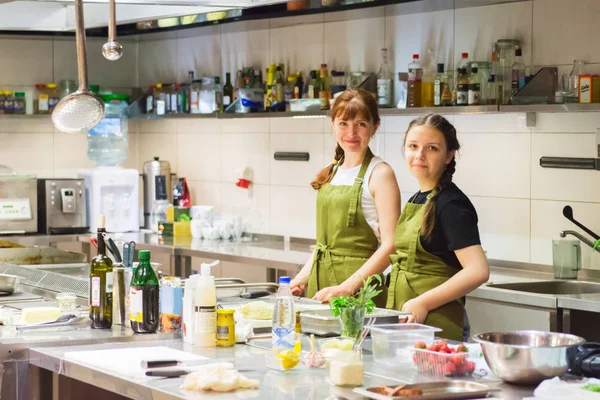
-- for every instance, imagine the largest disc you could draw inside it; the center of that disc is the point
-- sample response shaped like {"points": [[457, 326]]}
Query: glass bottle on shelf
{"points": [[462, 87], [474, 86], [101, 283], [227, 91], [324, 87], [279, 84], [448, 89], [518, 72], [438, 85], [218, 105], [385, 80], [492, 87], [415, 79], [19, 103], [240, 83]]}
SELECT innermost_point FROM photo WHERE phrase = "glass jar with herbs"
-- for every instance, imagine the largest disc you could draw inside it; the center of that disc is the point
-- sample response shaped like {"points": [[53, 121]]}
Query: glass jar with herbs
{"points": [[9, 102], [67, 87], [40, 99], [2, 102], [352, 309]]}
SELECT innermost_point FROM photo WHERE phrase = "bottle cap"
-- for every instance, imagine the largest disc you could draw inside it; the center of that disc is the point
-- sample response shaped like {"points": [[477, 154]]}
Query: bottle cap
{"points": [[415, 56], [440, 67], [205, 268], [465, 55], [101, 221], [284, 280], [144, 255]]}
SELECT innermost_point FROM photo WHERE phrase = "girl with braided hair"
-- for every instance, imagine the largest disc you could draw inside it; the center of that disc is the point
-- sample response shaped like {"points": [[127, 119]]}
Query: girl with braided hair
{"points": [[438, 257]]}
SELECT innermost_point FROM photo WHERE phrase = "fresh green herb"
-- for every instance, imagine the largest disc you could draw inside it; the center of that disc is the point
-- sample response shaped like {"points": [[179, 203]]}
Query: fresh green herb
{"points": [[592, 387], [361, 300], [596, 244]]}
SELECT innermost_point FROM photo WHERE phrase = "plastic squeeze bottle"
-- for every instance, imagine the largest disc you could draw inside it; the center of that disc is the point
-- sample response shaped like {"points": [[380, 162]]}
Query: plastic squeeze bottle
{"points": [[205, 308]]}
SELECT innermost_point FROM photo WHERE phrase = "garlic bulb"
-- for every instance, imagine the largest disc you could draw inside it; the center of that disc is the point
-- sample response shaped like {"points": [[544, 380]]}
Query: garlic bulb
{"points": [[313, 359]]}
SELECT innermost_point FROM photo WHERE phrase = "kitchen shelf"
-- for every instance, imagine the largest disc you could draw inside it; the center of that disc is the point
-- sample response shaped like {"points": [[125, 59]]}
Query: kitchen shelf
{"points": [[468, 110]]}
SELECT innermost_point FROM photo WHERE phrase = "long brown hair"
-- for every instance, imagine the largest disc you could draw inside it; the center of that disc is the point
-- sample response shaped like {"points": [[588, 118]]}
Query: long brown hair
{"points": [[442, 125], [351, 103]]}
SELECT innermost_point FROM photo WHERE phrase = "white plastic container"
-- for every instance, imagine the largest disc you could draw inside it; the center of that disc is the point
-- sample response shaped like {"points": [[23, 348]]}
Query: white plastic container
{"points": [[189, 297], [205, 308], [393, 344]]}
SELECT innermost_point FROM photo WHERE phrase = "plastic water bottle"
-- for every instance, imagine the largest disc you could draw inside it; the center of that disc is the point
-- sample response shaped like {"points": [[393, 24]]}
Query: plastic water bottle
{"points": [[107, 141], [284, 318]]}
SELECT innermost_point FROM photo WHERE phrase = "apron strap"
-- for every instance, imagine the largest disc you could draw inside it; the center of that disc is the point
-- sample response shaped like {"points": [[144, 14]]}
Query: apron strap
{"points": [[357, 189]]}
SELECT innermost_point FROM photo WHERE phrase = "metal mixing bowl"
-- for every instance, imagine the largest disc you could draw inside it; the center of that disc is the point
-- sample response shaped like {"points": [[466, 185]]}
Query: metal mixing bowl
{"points": [[8, 283], [526, 357]]}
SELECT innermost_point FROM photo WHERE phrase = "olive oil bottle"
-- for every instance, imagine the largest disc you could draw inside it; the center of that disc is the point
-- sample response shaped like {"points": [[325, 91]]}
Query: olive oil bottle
{"points": [[101, 284], [143, 296]]}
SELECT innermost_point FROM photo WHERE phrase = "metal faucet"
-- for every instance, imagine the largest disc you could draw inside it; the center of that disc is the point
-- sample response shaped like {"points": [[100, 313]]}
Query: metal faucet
{"points": [[580, 237]]}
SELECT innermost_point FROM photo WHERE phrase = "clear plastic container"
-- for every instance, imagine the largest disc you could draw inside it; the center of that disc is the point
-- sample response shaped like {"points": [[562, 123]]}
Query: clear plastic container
{"points": [[66, 301], [442, 364], [108, 141], [393, 344], [206, 99]]}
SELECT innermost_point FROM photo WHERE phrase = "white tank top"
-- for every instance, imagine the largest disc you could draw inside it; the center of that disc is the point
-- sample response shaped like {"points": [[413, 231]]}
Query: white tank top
{"points": [[346, 177]]}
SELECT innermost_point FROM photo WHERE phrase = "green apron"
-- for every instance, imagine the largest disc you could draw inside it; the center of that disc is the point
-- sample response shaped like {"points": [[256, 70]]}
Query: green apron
{"points": [[345, 241], [415, 271]]}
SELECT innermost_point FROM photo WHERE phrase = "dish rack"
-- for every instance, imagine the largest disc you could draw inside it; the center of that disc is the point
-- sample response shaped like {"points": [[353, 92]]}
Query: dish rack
{"points": [[46, 280]]}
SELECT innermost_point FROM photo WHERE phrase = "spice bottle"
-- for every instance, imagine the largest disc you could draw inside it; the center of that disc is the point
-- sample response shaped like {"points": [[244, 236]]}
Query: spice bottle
{"points": [[53, 98], [40, 100], [19, 103]]}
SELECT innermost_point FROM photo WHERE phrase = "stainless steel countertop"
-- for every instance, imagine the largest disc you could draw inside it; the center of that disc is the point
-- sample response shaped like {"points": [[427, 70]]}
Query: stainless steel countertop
{"points": [[273, 384], [273, 252]]}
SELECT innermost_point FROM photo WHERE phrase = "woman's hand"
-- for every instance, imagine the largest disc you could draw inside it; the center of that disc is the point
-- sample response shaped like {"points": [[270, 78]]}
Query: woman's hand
{"points": [[298, 285], [417, 308], [324, 295]]}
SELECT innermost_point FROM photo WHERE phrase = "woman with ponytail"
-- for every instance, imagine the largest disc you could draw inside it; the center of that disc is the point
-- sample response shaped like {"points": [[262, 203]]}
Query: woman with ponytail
{"points": [[358, 205], [438, 257]]}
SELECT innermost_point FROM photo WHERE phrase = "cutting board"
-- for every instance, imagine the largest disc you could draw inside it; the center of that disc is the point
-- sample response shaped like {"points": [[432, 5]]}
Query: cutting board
{"points": [[126, 362]]}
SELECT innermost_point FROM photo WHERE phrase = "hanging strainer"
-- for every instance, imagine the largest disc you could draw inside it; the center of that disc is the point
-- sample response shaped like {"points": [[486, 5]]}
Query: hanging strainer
{"points": [[112, 50], [82, 110]]}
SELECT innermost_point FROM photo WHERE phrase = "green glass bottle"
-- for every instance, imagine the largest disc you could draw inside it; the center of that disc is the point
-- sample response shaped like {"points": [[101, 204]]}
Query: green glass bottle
{"points": [[227, 91], [143, 296], [101, 284]]}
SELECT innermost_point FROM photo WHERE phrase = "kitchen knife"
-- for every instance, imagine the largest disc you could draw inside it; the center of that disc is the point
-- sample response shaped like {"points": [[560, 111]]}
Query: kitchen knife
{"points": [[176, 373], [112, 247], [248, 295], [131, 253]]}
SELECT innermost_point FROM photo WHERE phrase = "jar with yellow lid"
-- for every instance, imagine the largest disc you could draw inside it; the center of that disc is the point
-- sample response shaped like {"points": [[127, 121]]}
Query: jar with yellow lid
{"points": [[53, 97], [225, 328]]}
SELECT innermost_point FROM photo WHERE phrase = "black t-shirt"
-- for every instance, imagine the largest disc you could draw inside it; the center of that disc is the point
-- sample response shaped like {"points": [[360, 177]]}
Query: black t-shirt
{"points": [[455, 224]]}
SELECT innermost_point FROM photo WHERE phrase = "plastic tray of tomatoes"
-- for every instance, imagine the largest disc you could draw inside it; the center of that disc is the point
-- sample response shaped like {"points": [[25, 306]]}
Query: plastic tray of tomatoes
{"points": [[441, 359]]}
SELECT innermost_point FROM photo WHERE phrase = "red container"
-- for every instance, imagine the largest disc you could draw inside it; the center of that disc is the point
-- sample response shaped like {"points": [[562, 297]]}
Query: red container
{"points": [[442, 364]]}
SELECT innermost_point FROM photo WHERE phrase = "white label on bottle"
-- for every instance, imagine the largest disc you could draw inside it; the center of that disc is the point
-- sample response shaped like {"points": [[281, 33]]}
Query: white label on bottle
{"points": [[43, 103], [160, 107], [95, 299], [173, 102], [194, 100], [206, 319], [437, 93], [136, 305], [109, 282], [384, 91], [311, 92], [226, 100], [149, 103]]}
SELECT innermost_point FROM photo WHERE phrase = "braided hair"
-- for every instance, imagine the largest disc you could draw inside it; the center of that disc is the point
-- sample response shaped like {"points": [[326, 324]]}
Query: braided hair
{"points": [[442, 125]]}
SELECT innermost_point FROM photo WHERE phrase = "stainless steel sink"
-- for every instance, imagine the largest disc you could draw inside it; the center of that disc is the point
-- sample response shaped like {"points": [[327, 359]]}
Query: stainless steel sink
{"points": [[551, 287]]}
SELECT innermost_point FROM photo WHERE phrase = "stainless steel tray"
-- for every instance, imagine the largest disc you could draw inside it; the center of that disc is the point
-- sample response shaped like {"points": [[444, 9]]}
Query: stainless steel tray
{"points": [[39, 255], [435, 390], [323, 323]]}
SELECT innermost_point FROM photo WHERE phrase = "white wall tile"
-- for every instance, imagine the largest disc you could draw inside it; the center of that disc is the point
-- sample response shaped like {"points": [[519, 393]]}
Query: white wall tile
{"points": [[346, 47], [26, 124], [28, 153], [199, 157], [200, 53], [240, 151], [252, 204], [205, 193], [495, 165], [70, 155], [158, 145], [547, 221], [293, 211], [296, 173], [476, 28], [428, 34], [299, 47], [296, 125], [504, 227], [245, 125], [163, 126], [483, 123], [121, 73], [244, 44], [563, 184], [198, 125], [567, 122], [156, 62], [564, 31], [25, 61], [395, 157]]}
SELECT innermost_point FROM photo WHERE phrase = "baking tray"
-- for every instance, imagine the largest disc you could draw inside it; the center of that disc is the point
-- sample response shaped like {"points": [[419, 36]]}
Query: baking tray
{"points": [[435, 390], [323, 323], [39, 255]]}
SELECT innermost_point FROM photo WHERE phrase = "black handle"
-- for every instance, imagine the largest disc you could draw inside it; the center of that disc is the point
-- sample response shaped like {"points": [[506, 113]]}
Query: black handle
{"points": [[255, 294], [171, 373], [149, 364], [112, 247], [291, 156], [568, 213]]}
